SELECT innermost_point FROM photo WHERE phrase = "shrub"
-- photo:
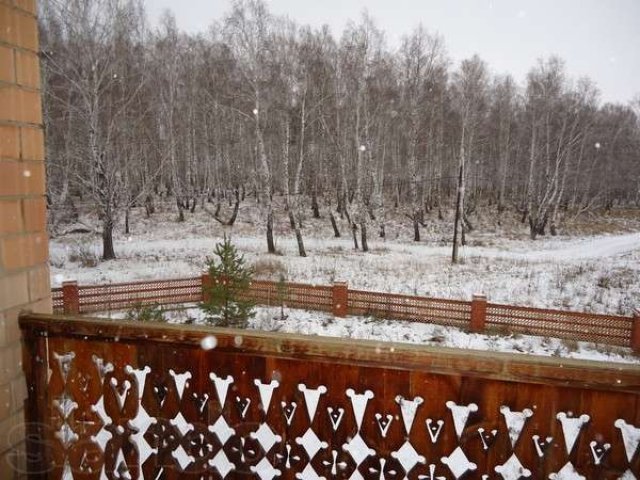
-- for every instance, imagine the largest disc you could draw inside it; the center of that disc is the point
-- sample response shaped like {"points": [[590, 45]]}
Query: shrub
{"points": [[282, 291], [146, 313], [224, 304], [84, 254], [269, 268]]}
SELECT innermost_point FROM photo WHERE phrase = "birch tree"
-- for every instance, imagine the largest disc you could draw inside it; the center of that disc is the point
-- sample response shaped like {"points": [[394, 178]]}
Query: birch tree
{"points": [[469, 90], [420, 58], [93, 56], [249, 30]]}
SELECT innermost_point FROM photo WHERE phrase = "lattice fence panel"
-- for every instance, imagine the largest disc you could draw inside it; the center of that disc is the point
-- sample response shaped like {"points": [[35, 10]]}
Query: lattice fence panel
{"points": [[293, 295], [454, 313], [609, 329], [120, 296], [56, 300]]}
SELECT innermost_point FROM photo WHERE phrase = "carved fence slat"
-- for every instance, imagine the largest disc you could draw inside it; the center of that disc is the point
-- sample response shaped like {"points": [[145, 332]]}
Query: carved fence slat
{"points": [[155, 404]]}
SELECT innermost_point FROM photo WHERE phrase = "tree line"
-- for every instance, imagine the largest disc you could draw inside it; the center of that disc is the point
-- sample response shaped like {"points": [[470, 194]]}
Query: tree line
{"points": [[343, 127]]}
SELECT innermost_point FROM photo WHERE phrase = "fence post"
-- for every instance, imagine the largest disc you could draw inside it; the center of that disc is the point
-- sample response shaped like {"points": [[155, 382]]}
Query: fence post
{"points": [[205, 280], [70, 297], [478, 312], [340, 293], [635, 332]]}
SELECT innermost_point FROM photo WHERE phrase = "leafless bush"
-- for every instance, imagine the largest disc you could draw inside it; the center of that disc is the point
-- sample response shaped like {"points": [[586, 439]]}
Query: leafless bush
{"points": [[338, 249], [84, 254], [622, 278], [570, 344], [269, 268]]}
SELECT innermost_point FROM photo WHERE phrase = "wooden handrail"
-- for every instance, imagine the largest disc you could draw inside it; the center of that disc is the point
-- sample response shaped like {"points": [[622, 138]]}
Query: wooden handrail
{"points": [[491, 365]]}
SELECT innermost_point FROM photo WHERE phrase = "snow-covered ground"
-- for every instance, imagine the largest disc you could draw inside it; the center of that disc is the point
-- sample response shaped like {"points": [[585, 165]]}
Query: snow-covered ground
{"points": [[366, 328], [595, 273]]}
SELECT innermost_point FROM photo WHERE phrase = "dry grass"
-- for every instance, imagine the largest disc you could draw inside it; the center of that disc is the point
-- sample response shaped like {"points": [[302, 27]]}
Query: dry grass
{"points": [[622, 278], [269, 268], [604, 223], [84, 254], [570, 344], [335, 250]]}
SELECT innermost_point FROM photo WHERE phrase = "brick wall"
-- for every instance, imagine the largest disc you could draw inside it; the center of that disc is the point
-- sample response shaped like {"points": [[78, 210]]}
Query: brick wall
{"points": [[24, 274]]}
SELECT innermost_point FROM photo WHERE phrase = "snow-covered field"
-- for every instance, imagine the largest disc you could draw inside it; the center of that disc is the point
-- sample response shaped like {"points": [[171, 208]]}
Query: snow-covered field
{"points": [[366, 328], [587, 272], [583, 271]]}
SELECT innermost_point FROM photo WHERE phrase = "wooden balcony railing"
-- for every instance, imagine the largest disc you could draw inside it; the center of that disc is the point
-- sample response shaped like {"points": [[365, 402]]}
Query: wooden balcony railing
{"points": [[139, 401]]}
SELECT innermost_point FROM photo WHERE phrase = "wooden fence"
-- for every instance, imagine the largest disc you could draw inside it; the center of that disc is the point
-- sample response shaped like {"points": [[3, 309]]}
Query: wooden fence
{"points": [[476, 315], [121, 400]]}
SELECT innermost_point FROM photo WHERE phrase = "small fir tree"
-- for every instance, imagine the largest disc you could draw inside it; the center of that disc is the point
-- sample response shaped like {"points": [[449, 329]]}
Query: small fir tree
{"points": [[146, 313], [281, 289], [230, 278]]}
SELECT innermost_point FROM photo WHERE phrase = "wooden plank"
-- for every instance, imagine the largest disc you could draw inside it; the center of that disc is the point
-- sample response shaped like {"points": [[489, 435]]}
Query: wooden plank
{"points": [[510, 367], [434, 381]]}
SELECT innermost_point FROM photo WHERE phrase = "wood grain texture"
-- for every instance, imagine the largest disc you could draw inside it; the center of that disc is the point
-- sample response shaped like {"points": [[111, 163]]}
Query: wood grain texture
{"points": [[436, 380]]}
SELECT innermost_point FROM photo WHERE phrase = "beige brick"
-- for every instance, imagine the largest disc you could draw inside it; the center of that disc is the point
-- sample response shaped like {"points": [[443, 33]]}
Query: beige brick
{"points": [[14, 253], [18, 394], [12, 181], [11, 366], [13, 463], [33, 178], [12, 429], [17, 360], [3, 330], [9, 329], [8, 100], [7, 65], [10, 217], [24, 251], [10, 333], [26, 31], [41, 306], [32, 143], [19, 105], [39, 286], [28, 6], [9, 141], [6, 371], [5, 401], [29, 107], [27, 69], [34, 213], [9, 22], [39, 248], [14, 290]]}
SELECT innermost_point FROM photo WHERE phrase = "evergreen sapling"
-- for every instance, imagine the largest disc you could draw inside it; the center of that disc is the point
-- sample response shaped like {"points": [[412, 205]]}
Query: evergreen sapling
{"points": [[230, 278]]}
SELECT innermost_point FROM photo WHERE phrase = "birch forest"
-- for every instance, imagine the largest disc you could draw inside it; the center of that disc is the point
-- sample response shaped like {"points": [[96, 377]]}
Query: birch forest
{"points": [[306, 123]]}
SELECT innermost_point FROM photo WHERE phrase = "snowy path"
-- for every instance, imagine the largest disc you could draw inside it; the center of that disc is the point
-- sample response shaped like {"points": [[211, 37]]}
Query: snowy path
{"points": [[551, 249], [583, 249]]}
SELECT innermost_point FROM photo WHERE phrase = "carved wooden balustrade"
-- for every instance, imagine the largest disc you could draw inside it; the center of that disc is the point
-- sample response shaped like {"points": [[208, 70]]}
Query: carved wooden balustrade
{"points": [[132, 401]]}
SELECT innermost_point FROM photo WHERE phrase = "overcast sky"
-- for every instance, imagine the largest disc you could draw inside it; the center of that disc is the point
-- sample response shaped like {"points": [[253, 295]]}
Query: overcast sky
{"points": [[597, 38]]}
